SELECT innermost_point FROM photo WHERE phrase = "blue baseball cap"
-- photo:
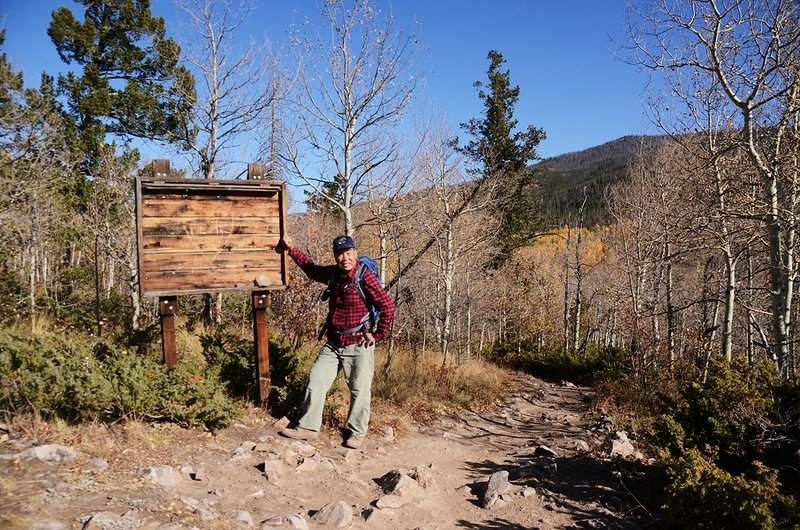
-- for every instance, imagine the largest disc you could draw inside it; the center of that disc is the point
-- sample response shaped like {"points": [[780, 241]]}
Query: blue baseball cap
{"points": [[342, 243]]}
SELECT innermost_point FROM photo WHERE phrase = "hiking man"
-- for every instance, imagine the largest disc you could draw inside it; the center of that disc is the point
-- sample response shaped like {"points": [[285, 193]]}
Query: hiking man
{"points": [[350, 338]]}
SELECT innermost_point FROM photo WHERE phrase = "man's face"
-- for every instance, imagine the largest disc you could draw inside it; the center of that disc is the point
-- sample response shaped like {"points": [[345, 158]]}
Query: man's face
{"points": [[346, 259]]}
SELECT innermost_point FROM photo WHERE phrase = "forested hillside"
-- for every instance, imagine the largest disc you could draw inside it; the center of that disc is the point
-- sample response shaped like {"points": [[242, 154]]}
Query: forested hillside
{"points": [[566, 181]]}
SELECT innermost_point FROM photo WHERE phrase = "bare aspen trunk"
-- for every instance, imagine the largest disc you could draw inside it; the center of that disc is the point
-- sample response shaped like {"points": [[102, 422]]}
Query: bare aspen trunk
{"points": [[32, 287], [133, 286]]}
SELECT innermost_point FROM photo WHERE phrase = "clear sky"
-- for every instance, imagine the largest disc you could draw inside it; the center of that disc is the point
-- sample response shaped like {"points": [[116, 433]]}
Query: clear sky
{"points": [[560, 53]]}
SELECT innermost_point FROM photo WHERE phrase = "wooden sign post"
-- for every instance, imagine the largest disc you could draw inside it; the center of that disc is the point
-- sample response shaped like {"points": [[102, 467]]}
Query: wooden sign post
{"points": [[260, 321], [205, 236]]}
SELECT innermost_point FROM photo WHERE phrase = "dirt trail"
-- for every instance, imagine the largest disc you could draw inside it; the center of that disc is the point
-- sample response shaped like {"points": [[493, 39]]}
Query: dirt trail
{"points": [[575, 487]]}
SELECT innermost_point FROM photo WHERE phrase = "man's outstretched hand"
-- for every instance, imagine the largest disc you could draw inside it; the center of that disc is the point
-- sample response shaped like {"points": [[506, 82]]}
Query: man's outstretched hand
{"points": [[286, 243]]}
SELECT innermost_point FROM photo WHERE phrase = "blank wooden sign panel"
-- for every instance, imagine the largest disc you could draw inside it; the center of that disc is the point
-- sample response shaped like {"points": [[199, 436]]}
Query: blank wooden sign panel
{"points": [[205, 236]]}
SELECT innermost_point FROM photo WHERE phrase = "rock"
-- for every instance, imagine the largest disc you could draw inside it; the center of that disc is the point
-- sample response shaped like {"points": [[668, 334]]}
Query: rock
{"points": [[545, 465], [393, 501], [399, 483], [388, 434], [621, 447], [48, 525], [291, 521], [205, 515], [262, 447], [281, 423], [160, 474], [302, 448], [199, 475], [310, 464], [102, 521], [543, 450], [567, 384], [255, 493], [335, 514], [50, 453], [527, 491], [498, 484], [582, 446], [423, 475], [111, 520], [243, 516], [243, 451], [95, 464]]}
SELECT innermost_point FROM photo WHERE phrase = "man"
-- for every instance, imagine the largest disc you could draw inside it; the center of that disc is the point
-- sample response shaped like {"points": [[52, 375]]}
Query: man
{"points": [[350, 340]]}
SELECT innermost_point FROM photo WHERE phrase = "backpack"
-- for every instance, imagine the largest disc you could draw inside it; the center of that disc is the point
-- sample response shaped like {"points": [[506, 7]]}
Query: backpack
{"points": [[366, 263], [370, 320]]}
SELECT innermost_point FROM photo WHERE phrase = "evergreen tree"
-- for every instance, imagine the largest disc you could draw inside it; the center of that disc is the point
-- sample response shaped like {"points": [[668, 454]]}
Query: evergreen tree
{"points": [[130, 83], [502, 154]]}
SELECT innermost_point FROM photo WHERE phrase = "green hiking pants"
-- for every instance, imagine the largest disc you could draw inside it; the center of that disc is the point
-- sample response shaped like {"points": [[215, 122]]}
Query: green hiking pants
{"points": [[358, 364]]}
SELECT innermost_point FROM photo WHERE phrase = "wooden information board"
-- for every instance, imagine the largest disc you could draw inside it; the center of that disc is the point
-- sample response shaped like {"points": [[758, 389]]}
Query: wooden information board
{"points": [[206, 236]]}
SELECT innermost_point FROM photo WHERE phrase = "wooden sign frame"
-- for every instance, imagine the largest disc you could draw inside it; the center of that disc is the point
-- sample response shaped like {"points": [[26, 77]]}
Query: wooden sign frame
{"points": [[208, 236]]}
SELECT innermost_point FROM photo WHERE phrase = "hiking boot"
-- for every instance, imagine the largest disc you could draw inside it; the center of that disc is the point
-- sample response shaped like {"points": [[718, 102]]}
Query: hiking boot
{"points": [[354, 441], [299, 433]]}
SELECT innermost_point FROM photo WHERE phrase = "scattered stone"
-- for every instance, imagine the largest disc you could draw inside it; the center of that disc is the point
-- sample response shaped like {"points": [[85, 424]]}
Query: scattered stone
{"points": [[302, 448], [398, 483], [423, 475], [48, 525], [543, 450], [527, 491], [255, 493], [567, 384], [266, 438], [620, 446], [240, 425], [545, 465], [292, 521], [582, 446], [243, 451], [50, 453], [262, 447], [393, 501], [498, 484], [243, 516], [199, 475], [205, 515], [335, 514], [190, 501], [310, 464], [281, 423], [388, 434], [103, 520], [160, 474], [95, 464]]}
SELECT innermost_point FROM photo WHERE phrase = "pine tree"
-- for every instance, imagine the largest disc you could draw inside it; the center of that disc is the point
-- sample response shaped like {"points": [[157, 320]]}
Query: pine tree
{"points": [[130, 83], [502, 153]]}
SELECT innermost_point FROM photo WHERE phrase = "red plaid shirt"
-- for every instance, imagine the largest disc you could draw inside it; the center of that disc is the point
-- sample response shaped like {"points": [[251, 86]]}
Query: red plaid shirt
{"points": [[346, 309]]}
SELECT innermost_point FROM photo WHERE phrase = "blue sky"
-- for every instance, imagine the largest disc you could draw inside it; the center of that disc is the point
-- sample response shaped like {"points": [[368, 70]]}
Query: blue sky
{"points": [[561, 55]]}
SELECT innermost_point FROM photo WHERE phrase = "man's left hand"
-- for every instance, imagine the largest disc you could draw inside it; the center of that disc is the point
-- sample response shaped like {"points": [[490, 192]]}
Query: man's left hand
{"points": [[367, 339]]}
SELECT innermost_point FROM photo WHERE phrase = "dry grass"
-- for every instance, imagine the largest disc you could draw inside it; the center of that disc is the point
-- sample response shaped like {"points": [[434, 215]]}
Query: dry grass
{"points": [[422, 388]]}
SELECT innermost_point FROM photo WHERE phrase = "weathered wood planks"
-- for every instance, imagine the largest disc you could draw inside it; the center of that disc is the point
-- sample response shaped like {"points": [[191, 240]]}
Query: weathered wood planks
{"points": [[202, 236]]}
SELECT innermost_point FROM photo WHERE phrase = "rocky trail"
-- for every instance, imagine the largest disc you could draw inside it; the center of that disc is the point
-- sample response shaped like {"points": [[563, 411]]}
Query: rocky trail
{"points": [[542, 459]]}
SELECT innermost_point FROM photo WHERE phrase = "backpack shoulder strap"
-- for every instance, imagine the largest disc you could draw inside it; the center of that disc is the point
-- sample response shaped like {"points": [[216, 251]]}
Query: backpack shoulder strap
{"points": [[362, 268]]}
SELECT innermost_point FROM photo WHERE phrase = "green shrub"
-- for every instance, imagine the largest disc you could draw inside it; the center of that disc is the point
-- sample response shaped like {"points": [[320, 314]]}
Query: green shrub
{"points": [[234, 358], [589, 367], [56, 376], [729, 406], [53, 376], [195, 396], [701, 495]]}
